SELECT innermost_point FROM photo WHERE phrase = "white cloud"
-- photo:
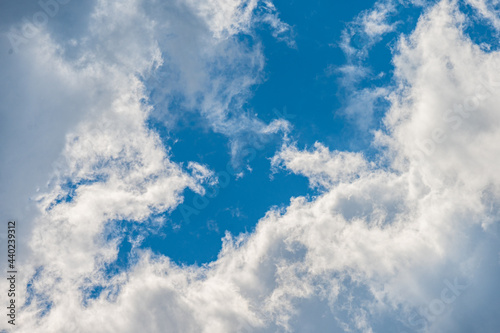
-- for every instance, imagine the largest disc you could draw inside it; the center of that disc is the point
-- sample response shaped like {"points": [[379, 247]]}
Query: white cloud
{"points": [[376, 242], [218, 78], [112, 166], [358, 38], [367, 29], [322, 167], [488, 9], [362, 105]]}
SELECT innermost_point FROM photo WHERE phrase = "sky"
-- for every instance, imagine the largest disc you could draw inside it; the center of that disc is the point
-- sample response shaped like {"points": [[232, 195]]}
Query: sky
{"points": [[251, 165]]}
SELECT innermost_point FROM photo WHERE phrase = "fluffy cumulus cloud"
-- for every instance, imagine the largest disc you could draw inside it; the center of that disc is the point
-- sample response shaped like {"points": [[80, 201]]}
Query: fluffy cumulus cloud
{"points": [[406, 239]]}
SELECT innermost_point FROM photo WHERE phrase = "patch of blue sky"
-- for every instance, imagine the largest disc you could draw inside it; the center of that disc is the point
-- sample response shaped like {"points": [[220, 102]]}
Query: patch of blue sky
{"points": [[91, 293], [127, 234], [478, 29], [194, 230], [302, 85], [69, 188], [42, 300], [307, 81]]}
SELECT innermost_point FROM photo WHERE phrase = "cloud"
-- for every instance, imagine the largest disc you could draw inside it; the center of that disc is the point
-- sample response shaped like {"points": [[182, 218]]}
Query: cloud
{"points": [[358, 38], [362, 106], [488, 10], [407, 239], [360, 88], [217, 79], [322, 167], [367, 29], [89, 103]]}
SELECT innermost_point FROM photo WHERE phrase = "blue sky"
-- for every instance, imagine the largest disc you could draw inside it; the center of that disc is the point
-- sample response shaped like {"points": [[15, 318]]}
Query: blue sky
{"points": [[252, 166], [300, 84]]}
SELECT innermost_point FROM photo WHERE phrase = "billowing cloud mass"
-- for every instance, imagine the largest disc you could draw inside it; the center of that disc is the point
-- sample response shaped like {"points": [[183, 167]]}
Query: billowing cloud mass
{"points": [[403, 241]]}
